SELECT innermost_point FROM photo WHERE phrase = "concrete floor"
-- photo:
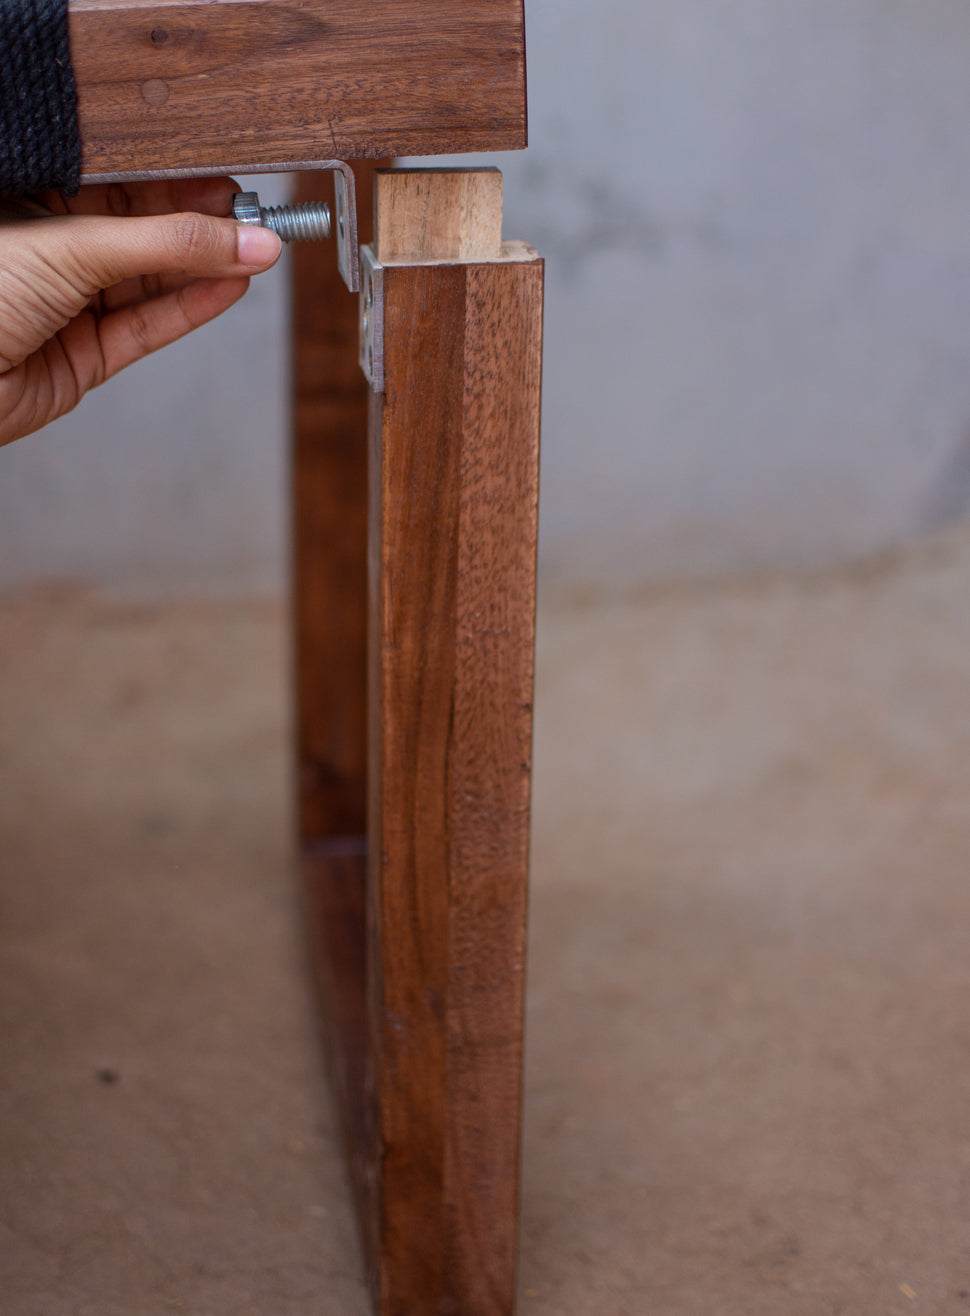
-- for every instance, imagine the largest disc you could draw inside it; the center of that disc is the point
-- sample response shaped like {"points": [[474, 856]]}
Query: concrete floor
{"points": [[748, 1079]]}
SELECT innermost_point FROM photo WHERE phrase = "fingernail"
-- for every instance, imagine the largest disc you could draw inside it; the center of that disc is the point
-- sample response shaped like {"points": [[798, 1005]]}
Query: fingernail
{"points": [[257, 247]]}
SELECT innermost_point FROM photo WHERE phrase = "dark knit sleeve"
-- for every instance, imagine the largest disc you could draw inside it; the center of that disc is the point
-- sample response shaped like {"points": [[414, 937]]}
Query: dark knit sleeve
{"points": [[39, 143]]}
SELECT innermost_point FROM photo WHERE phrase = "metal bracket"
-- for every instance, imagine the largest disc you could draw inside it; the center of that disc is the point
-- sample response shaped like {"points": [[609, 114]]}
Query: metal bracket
{"points": [[345, 197], [372, 319], [345, 223]]}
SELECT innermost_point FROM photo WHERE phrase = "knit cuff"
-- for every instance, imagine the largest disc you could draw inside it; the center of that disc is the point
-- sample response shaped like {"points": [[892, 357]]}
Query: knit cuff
{"points": [[39, 142]]}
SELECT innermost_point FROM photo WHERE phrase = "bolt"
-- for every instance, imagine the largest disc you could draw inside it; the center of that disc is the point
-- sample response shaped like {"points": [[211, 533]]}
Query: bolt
{"points": [[307, 222]]}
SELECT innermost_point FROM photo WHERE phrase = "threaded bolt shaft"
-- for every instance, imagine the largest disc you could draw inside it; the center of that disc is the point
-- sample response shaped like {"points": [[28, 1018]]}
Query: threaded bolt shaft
{"points": [[306, 222]]}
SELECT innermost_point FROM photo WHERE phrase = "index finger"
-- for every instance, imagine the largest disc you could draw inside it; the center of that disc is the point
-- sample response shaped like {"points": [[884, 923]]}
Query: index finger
{"points": [[163, 196]]}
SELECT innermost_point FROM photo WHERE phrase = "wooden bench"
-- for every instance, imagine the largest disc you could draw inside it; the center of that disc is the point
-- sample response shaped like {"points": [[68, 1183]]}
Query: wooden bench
{"points": [[414, 523]]}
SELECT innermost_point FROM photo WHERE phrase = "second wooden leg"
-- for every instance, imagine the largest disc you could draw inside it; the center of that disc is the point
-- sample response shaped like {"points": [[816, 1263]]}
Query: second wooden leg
{"points": [[329, 482]]}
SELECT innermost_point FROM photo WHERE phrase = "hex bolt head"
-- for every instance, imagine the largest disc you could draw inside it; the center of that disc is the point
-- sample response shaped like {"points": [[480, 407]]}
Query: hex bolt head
{"points": [[306, 222]]}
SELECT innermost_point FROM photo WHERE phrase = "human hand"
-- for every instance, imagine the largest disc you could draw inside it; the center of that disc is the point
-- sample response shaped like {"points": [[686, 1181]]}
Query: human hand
{"points": [[91, 283]]}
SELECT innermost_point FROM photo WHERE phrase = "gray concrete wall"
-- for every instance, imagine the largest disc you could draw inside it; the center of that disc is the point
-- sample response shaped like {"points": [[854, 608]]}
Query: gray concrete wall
{"points": [[757, 219]]}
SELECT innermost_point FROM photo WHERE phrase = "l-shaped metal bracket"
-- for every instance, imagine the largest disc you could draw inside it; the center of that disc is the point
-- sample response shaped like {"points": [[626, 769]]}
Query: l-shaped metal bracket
{"points": [[372, 319], [345, 197]]}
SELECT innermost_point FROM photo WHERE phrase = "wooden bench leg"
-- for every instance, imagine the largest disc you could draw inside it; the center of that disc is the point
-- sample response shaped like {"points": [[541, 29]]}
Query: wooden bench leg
{"points": [[329, 568], [329, 628], [452, 476]]}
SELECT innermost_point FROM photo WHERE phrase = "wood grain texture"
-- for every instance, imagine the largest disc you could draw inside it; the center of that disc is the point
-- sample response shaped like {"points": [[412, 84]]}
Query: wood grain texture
{"points": [[329, 616], [438, 215], [250, 84], [453, 480], [329, 560], [334, 910]]}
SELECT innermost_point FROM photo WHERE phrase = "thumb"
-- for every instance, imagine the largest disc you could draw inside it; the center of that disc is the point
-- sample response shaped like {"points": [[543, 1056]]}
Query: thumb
{"points": [[50, 268], [97, 251]]}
